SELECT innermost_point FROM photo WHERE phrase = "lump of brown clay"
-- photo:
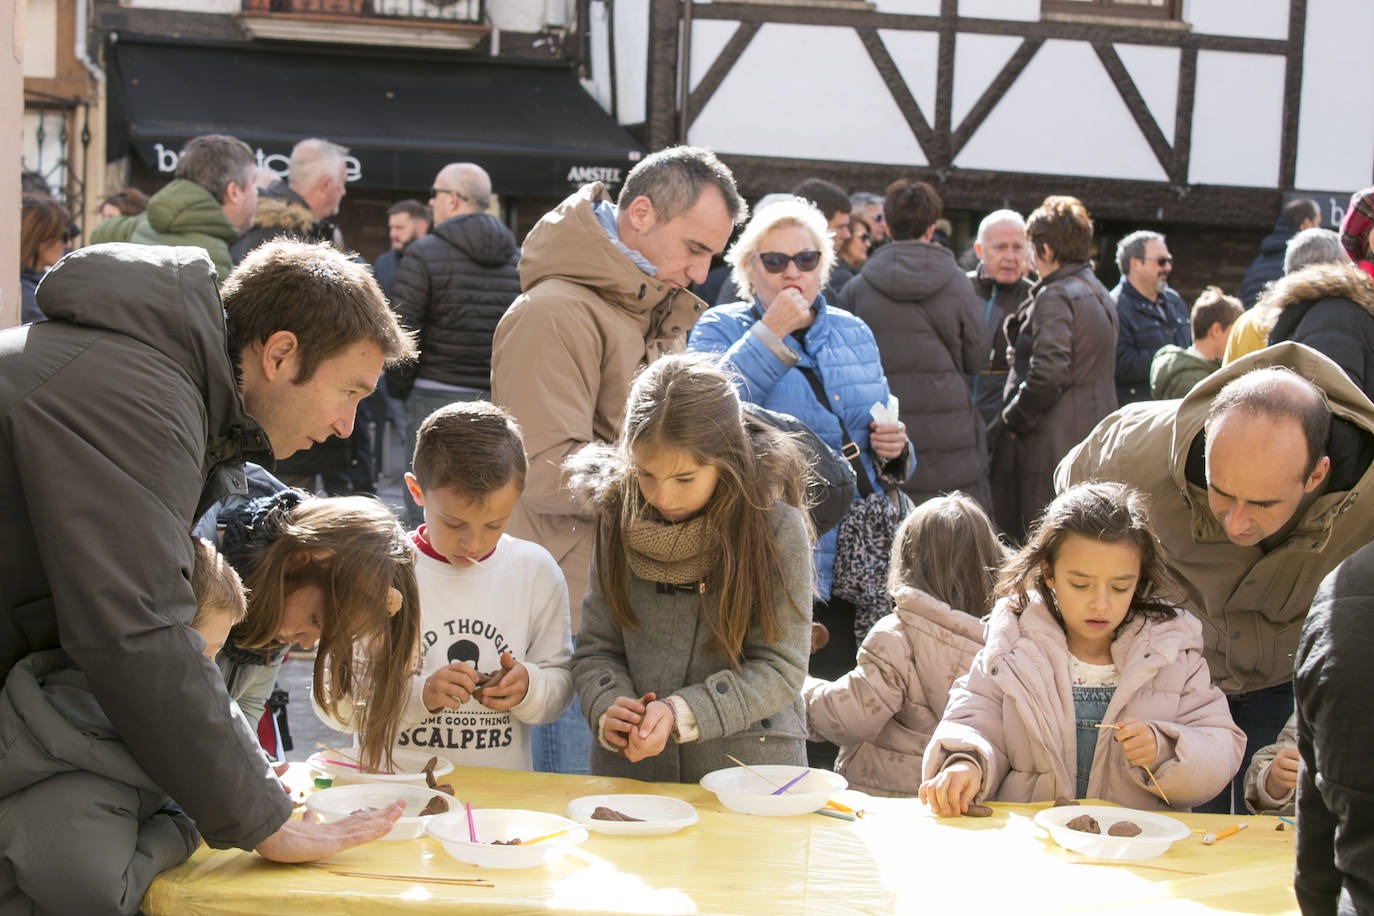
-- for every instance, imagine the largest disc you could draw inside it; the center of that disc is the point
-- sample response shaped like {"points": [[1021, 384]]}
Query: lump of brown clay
{"points": [[437, 805], [1124, 828], [978, 811], [491, 677], [514, 842], [1084, 823], [1062, 802], [602, 813]]}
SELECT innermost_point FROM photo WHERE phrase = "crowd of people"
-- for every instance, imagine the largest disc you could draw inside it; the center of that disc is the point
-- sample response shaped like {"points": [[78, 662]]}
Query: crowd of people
{"points": [[1120, 546]]}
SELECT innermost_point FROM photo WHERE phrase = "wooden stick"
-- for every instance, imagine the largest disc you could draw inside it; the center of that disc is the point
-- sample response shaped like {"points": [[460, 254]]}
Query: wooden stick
{"points": [[547, 836], [739, 762], [1117, 725], [427, 879], [333, 750]]}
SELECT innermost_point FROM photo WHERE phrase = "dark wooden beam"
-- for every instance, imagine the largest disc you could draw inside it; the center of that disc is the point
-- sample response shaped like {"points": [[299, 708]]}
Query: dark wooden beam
{"points": [[992, 95], [1292, 93], [901, 94], [1135, 103], [715, 75], [660, 79], [944, 86], [1183, 117]]}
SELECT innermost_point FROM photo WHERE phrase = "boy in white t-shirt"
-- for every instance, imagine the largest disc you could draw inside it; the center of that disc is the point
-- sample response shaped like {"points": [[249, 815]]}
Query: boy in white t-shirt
{"points": [[490, 604]]}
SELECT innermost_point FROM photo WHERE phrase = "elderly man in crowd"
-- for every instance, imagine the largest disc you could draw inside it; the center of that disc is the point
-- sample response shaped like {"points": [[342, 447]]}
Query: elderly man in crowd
{"points": [[1273, 496], [128, 413], [452, 288], [1150, 313], [208, 205], [303, 203], [1000, 282], [605, 294]]}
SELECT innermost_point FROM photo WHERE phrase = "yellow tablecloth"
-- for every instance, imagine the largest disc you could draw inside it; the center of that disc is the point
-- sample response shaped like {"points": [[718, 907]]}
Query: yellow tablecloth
{"points": [[897, 859]]}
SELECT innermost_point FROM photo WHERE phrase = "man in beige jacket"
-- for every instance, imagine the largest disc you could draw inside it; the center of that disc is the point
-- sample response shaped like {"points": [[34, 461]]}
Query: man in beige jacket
{"points": [[1257, 483], [604, 295]]}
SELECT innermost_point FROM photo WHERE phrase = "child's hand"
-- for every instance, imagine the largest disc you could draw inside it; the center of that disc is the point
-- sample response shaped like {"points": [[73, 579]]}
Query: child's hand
{"points": [[1282, 775], [625, 713], [450, 686], [652, 735], [510, 689], [1138, 742], [950, 792]]}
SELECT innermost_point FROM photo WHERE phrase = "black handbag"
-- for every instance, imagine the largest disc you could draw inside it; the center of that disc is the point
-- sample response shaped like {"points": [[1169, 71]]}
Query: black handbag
{"points": [[863, 544], [832, 484]]}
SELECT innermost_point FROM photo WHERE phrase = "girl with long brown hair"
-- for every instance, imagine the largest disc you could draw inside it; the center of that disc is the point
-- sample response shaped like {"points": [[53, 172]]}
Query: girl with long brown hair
{"points": [[696, 623], [338, 572]]}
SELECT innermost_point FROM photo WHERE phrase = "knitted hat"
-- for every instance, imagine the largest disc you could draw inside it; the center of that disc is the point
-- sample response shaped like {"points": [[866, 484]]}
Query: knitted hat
{"points": [[1355, 226]]}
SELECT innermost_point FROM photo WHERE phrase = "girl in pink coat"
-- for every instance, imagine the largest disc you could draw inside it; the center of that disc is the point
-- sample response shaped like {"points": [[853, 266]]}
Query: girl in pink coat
{"points": [[945, 557], [1081, 638]]}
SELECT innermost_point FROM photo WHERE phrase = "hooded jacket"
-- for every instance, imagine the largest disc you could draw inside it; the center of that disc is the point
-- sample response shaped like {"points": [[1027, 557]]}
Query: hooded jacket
{"points": [[280, 212], [182, 213], [452, 287], [72, 794], [883, 712], [1251, 602], [931, 336], [562, 360], [1175, 370], [1329, 307], [1013, 714], [1268, 264], [120, 423]]}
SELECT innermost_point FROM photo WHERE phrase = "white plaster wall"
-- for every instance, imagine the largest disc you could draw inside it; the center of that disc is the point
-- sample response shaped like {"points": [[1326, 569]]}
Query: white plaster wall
{"points": [[1154, 70], [1237, 120], [631, 58], [1336, 121], [598, 41], [709, 37], [1244, 18], [1063, 116], [977, 61], [916, 55], [517, 15], [40, 38], [779, 101], [189, 6], [1019, 10]]}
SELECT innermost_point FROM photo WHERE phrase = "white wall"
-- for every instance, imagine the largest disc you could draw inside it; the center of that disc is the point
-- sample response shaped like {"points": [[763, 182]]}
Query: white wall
{"points": [[1243, 18], [1063, 116], [1154, 70], [631, 58], [806, 92], [517, 15], [40, 37], [1336, 120], [1237, 120], [189, 6], [1020, 10]]}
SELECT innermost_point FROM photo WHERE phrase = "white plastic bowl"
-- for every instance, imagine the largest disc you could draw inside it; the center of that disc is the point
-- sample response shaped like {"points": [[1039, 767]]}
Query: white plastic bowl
{"points": [[451, 830], [408, 770], [339, 802], [658, 814], [740, 790], [1157, 831]]}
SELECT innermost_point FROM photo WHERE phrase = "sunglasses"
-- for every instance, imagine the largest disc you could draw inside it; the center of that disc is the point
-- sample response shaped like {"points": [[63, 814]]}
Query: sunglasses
{"points": [[1162, 260], [435, 192], [775, 262]]}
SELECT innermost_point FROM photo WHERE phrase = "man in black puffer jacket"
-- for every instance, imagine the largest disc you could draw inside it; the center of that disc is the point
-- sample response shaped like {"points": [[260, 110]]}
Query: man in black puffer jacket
{"points": [[452, 288], [1298, 214]]}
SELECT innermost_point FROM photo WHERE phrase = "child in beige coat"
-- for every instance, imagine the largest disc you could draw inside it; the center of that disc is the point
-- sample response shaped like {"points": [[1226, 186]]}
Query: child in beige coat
{"points": [[945, 557], [1088, 678]]}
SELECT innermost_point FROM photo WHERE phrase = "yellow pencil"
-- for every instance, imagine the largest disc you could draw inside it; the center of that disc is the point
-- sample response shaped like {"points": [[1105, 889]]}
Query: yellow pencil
{"points": [[1209, 838]]}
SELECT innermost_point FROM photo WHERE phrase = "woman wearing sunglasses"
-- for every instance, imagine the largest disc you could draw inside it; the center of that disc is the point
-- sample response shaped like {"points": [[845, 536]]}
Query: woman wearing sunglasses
{"points": [[44, 232], [783, 332]]}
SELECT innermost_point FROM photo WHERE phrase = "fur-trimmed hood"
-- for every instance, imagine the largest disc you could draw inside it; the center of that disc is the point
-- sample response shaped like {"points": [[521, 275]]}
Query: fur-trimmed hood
{"points": [[283, 215], [1339, 280]]}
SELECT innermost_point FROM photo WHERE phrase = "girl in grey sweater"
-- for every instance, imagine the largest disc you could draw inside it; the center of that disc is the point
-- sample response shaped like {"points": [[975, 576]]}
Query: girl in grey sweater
{"points": [[696, 624]]}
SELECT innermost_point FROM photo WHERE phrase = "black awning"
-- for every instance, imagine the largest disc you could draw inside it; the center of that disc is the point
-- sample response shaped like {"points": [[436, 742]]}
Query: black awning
{"points": [[530, 124]]}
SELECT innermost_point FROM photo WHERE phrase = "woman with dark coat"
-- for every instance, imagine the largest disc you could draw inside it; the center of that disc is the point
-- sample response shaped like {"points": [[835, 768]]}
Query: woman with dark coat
{"points": [[1329, 307], [1062, 379], [931, 337]]}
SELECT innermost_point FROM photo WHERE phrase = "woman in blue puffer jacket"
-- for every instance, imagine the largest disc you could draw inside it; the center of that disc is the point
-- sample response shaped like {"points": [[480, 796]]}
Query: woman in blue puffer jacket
{"points": [[781, 262]]}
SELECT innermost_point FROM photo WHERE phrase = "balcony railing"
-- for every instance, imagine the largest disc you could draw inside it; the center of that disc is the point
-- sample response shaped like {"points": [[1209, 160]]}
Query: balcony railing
{"points": [[410, 11]]}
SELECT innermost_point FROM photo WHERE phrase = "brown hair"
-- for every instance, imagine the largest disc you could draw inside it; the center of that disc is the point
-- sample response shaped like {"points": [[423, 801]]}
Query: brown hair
{"points": [[42, 219], [1106, 512], [1214, 307], [685, 402], [1277, 392], [217, 587], [948, 548], [353, 548], [910, 208], [1062, 223], [674, 178], [327, 299], [472, 447], [129, 202]]}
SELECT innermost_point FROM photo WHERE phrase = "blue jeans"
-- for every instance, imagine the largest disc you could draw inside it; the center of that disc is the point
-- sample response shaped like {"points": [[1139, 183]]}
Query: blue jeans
{"points": [[1089, 708], [563, 745], [420, 403], [1261, 714]]}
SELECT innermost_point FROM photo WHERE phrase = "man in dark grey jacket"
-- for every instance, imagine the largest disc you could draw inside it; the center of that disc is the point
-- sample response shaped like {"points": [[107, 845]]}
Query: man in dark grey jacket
{"points": [[452, 288], [122, 418]]}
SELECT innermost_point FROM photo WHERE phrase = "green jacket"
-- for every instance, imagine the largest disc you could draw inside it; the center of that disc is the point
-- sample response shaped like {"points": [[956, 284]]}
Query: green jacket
{"points": [[183, 213], [1175, 370]]}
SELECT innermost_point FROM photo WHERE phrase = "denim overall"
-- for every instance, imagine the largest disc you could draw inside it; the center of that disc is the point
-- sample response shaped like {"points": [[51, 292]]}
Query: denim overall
{"points": [[1089, 708]]}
